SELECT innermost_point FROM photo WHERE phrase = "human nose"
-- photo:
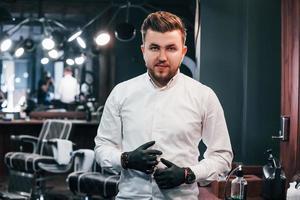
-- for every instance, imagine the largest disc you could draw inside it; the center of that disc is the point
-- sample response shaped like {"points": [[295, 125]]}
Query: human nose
{"points": [[162, 55]]}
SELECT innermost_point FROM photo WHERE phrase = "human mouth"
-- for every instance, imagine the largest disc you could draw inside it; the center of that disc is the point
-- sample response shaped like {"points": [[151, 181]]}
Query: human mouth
{"points": [[161, 65]]}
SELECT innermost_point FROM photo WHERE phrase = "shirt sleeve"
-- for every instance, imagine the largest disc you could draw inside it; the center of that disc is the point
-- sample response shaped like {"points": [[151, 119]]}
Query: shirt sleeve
{"points": [[108, 139], [218, 155]]}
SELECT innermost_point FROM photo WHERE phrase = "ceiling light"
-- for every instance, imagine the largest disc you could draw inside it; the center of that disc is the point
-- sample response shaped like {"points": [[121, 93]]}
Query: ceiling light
{"points": [[79, 32], [79, 60], [81, 42], [70, 61], [45, 61], [102, 39], [48, 43], [19, 52], [6, 44], [74, 36], [53, 54], [125, 32]]}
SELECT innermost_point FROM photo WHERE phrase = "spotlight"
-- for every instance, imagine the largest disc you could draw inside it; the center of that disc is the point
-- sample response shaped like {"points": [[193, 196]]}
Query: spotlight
{"points": [[79, 60], [70, 61], [48, 43], [81, 42], [102, 39], [74, 36], [53, 54], [6, 44], [45, 61], [125, 32], [19, 52]]}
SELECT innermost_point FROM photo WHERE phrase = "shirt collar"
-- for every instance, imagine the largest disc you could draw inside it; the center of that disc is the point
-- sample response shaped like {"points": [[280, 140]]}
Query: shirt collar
{"points": [[170, 84]]}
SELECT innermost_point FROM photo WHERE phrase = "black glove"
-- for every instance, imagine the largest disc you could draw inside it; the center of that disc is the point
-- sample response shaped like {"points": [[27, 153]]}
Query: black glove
{"points": [[143, 159], [170, 177]]}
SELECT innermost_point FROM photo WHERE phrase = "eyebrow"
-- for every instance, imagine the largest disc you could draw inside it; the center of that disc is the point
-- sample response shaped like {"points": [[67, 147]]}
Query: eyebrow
{"points": [[168, 45]]}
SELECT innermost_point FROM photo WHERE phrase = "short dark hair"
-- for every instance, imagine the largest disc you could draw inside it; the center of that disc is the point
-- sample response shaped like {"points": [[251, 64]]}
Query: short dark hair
{"points": [[68, 69], [162, 21]]}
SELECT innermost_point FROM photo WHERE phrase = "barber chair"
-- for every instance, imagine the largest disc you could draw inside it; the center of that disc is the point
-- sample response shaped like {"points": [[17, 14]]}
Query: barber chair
{"points": [[89, 180], [51, 155]]}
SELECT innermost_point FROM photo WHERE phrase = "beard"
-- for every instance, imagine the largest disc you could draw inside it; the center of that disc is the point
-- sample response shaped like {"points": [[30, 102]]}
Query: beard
{"points": [[161, 77]]}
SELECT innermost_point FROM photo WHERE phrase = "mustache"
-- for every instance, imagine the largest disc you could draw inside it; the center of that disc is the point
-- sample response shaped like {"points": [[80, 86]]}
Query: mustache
{"points": [[161, 63]]}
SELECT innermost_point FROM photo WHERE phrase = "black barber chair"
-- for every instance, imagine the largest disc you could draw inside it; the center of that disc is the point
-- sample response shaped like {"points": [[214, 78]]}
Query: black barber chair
{"points": [[93, 182], [29, 171]]}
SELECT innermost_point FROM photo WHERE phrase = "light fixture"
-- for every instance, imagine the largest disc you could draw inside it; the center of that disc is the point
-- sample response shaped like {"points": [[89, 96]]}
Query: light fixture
{"points": [[81, 42], [102, 39], [6, 44], [53, 54], [23, 46], [44, 60], [75, 35], [19, 52], [70, 61], [52, 36], [48, 43], [124, 31], [79, 31], [79, 60]]}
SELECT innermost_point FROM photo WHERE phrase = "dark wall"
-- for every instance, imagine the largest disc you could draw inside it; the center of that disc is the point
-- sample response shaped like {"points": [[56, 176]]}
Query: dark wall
{"points": [[240, 60]]}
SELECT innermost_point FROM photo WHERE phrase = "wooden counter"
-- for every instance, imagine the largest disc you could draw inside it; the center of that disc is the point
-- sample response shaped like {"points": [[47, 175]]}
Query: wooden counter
{"points": [[82, 135]]}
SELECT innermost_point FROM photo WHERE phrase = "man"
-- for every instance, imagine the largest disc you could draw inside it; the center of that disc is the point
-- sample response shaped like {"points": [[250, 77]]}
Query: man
{"points": [[45, 87], [152, 124], [68, 87]]}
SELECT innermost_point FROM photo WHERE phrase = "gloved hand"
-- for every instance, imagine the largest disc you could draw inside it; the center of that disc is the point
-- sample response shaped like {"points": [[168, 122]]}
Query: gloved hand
{"points": [[143, 159], [170, 177]]}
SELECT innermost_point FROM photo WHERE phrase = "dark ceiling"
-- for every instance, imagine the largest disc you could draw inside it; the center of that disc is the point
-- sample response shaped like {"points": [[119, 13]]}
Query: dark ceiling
{"points": [[81, 11]]}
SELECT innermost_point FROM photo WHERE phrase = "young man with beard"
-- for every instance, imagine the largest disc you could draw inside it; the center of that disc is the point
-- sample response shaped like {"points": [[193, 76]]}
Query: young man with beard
{"points": [[152, 124]]}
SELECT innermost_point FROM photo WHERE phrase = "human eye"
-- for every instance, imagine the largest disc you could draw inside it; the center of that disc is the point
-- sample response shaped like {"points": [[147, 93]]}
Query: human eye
{"points": [[154, 48], [172, 49]]}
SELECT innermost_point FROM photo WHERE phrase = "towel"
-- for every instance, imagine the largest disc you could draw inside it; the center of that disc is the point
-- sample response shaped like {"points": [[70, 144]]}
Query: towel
{"points": [[84, 163], [62, 151]]}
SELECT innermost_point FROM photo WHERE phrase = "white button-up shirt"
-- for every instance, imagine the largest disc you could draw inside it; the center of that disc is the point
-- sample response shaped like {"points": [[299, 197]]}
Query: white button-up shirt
{"points": [[68, 89], [177, 117]]}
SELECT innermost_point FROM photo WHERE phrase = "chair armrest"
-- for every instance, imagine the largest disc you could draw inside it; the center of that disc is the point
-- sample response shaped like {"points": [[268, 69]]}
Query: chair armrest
{"points": [[25, 139]]}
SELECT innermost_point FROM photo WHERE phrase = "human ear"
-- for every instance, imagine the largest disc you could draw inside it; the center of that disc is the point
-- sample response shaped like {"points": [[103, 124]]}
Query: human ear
{"points": [[142, 48]]}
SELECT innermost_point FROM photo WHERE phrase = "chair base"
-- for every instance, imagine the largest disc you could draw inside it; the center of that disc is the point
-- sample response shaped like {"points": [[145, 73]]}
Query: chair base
{"points": [[20, 182]]}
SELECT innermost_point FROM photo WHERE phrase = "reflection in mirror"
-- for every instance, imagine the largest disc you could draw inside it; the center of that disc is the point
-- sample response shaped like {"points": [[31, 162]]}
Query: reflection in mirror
{"points": [[14, 84]]}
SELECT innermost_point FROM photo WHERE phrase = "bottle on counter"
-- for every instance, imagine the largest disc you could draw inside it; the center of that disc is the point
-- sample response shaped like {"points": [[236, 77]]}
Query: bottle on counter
{"points": [[239, 186]]}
